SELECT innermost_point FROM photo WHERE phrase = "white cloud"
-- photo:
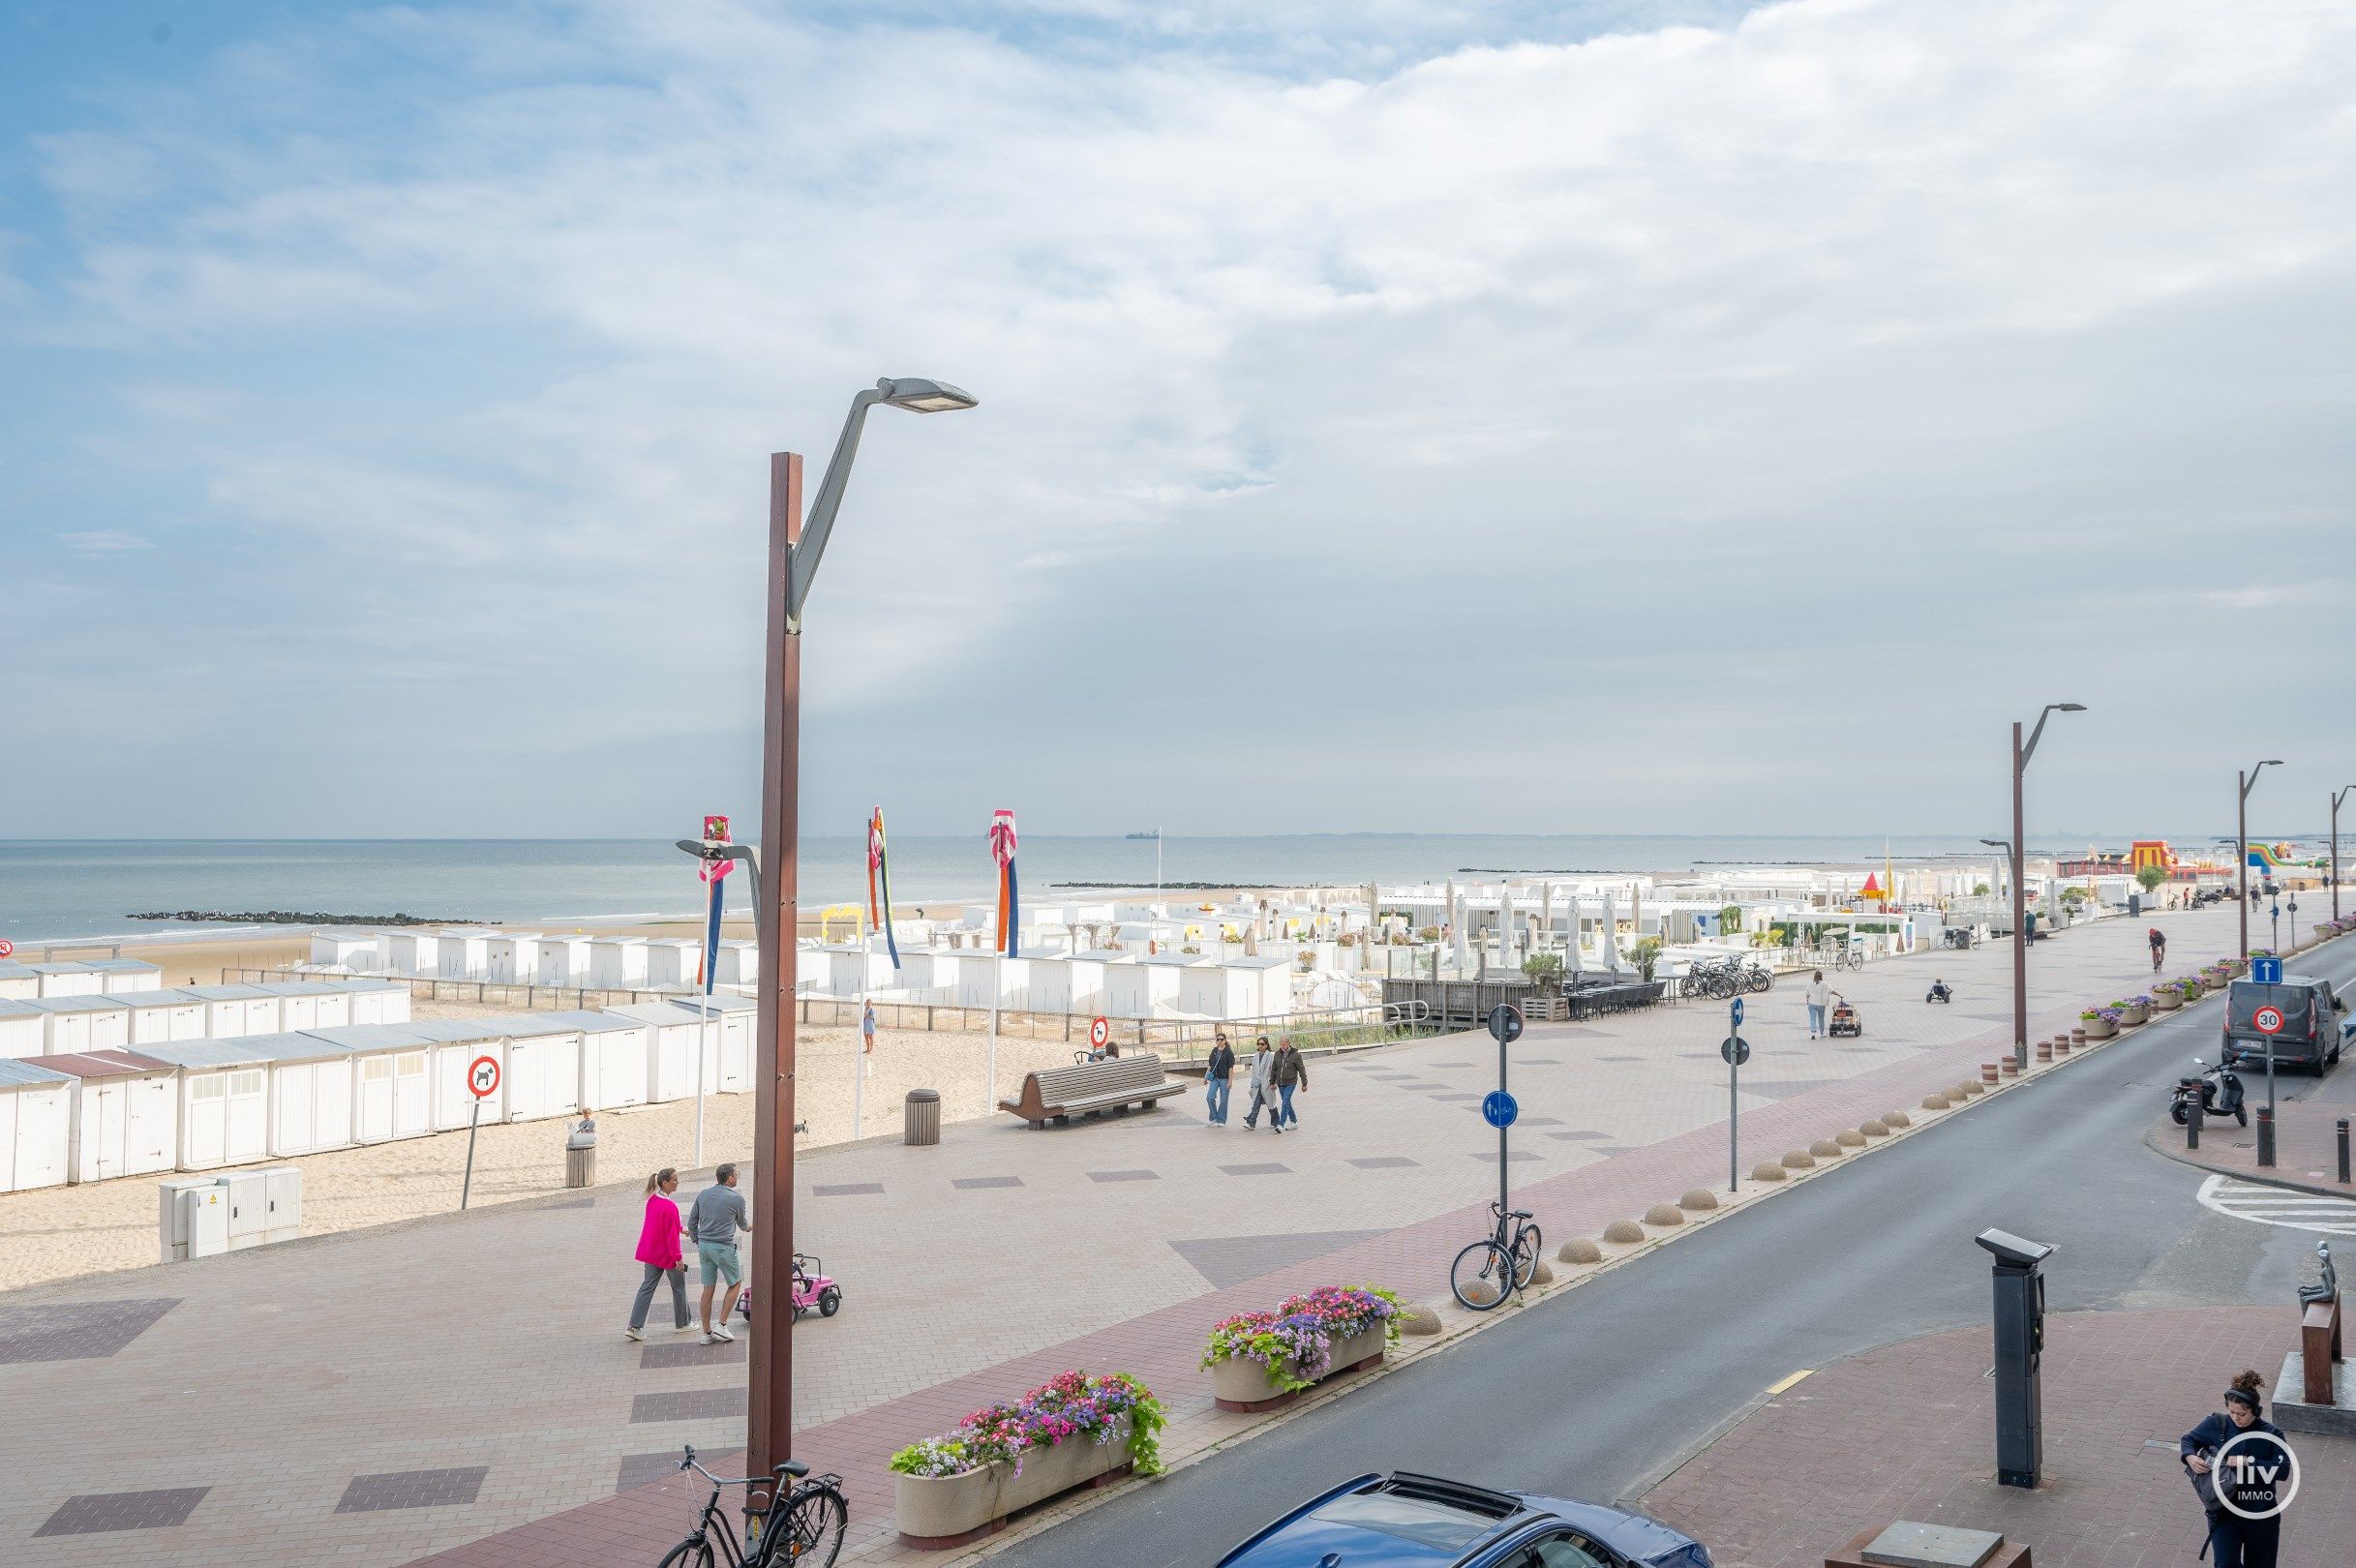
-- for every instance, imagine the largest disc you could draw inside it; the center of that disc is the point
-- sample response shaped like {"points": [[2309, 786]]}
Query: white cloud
{"points": [[102, 542]]}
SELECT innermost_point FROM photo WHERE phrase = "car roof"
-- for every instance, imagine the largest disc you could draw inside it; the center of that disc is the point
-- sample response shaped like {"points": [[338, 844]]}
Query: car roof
{"points": [[1408, 1521]]}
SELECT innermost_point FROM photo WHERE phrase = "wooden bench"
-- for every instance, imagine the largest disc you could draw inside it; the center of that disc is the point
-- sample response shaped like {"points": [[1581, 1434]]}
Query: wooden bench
{"points": [[1059, 1094]]}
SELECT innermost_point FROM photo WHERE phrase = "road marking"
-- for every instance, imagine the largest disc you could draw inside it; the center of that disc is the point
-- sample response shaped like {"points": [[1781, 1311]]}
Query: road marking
{"points": [[1789, 1381], [2275, 1206]]}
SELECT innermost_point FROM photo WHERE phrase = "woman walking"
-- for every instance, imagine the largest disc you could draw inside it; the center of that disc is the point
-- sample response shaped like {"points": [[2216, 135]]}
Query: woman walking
{"points": [[1819, 997], [2236, 1541], [658, 1248]]}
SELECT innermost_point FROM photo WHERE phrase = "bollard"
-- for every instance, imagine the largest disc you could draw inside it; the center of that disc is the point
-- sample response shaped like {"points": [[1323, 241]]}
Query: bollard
{"points": [[2077, 1040], [2265, 1139], [1987, 1073], [2061, 1044], [2192, 1120], [921, 1118], [2344, 1151], [2009, 1068], [2044, 1050]]}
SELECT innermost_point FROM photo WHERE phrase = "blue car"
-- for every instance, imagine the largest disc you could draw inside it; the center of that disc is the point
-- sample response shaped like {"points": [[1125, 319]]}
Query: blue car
{"points": [[1403, 1520]]}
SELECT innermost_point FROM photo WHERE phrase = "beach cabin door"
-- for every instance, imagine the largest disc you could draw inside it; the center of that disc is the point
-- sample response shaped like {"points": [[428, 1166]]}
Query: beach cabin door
{"points": [[149, 1129], [246, 1125], [103, 1112], [207, 1135]]}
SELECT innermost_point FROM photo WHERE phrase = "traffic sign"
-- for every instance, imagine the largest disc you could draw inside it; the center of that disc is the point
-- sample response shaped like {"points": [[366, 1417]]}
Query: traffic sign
{"points": [[483, 1076], [6, 946], [1499, 1109], [1100, 1033], [1733, 1011], [1735, 1050], [2266, 971], [1505, 1024], [2267, 1020]]}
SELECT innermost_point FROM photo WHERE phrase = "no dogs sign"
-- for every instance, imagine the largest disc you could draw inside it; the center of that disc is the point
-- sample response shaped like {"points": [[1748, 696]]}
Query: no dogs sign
{"points": [[1100, 1033], [483, 1076]]}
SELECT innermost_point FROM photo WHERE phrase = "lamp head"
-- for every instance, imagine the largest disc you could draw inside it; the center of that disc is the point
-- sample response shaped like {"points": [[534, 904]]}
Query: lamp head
{"points": [[2271, 761], [2069, 707], [920, 396], [1998, 843]]}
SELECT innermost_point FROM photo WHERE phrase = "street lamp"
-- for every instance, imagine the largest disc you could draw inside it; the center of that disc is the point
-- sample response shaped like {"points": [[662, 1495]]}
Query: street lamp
{"points": [[793, 550], [2335, 799], [2241, 841], [2020, 892]]}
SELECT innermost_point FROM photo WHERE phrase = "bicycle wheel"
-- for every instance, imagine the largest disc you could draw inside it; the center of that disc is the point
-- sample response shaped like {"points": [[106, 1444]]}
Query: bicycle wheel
{"points": [[1482, 1276], [1527, 1244], [693, 1553], [812, 1530]]}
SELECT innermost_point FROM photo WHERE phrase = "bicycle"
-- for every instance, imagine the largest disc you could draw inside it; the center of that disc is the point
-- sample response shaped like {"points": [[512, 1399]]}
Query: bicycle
{"points": [[810, 1526], [1505, 1263], [1848, 958]]}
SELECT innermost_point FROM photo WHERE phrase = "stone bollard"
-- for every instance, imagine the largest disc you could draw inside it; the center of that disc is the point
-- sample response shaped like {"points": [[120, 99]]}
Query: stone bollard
{"points": [[2044, 1051], [2009, 1068], [1623, 1233], [2061, 1044]]}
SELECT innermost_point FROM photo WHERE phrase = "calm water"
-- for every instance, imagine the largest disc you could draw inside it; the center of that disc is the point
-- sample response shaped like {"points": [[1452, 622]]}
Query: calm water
{"points": [[75, 889]]}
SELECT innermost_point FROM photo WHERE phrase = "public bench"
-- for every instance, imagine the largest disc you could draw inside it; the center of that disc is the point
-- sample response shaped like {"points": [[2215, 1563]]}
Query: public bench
{"points": [[1059, 1094]]}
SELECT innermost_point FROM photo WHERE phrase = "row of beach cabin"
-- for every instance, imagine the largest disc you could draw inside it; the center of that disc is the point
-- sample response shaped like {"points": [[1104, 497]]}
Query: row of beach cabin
{"points": [[615, 963], [1120, 984], [88, 976], [43, 1025], [201, 1104]]}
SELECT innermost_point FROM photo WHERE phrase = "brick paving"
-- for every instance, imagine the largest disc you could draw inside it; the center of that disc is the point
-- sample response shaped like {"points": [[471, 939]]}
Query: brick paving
{"points": [[492, 1338], [1908, 1432]]}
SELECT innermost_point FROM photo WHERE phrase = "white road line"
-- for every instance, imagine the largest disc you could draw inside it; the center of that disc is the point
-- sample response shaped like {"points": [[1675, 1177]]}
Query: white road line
{"points": [[2274, 1206]]}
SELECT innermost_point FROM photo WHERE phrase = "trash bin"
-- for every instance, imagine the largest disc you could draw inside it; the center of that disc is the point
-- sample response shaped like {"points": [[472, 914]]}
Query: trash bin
{"points": [[922, 1125], [580, 1164]]}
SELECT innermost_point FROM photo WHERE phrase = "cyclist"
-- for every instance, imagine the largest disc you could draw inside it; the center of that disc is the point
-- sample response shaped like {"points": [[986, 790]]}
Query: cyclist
{"points": [[2159, 948]]}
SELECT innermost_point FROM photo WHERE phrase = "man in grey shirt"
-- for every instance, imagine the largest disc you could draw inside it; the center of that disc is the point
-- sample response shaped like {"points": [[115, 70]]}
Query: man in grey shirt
{"points": [[712, 1223]]}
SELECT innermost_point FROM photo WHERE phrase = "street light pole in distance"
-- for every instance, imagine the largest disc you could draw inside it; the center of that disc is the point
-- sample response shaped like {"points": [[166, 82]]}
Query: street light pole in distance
{"points": [[2021, 753], [2335, 799], [2241, 842]]}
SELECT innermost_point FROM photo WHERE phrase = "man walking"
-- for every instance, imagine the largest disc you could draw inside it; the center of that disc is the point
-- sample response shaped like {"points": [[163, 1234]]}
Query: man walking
{"points": [[1819, 997], [714, 1221], [1263, 1063], [1218, 1077], [1291, 1071]]}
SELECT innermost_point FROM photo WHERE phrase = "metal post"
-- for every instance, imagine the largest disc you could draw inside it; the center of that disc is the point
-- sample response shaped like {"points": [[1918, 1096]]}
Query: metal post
{"points": [[2266, 1138], [1504, 1166], [2020, 918], [2335, 799], [2194, 1116], [475, 1120], [1734, 1112], [2241, 851], [769, 1401], [2343, 1150], [2270, 1076]]}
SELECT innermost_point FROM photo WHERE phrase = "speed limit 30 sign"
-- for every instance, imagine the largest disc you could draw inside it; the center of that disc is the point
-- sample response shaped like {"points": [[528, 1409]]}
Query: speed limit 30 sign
{"points": [[2267, 1020]]}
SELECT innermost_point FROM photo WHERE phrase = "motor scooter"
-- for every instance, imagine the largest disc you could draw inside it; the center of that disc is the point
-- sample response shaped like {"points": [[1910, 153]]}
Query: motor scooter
{"points": [[2218, 1089]]}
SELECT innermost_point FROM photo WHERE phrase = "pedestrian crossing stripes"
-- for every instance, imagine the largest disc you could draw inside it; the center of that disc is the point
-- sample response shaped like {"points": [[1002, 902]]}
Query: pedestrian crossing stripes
{"points": [[2278, 1206]]}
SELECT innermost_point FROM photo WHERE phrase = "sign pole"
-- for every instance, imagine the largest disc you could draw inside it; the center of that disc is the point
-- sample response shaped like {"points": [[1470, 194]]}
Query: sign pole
{"points": [[1504, 1166], [1736, 1051], [1499, 1111], [474, 1120]]}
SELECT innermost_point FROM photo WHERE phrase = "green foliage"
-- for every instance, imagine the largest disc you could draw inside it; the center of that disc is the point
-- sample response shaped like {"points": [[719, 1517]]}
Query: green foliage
{"points": [[1980, 890], [1729, 919], [2074, 897], [2149, 878], [1543, 968], [1644, 954]]}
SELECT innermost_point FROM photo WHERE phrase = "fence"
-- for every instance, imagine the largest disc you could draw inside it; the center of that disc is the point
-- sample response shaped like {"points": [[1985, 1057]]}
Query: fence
{"points": [[487, 993]]}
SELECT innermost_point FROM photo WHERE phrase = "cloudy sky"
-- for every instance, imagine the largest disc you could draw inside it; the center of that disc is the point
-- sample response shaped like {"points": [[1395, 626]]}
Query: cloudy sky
{"points": [[1613, 417]]}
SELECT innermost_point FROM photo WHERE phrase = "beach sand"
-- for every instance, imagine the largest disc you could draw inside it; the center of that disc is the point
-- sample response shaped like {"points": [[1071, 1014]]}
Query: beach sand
{"points": [[60, 1233]]}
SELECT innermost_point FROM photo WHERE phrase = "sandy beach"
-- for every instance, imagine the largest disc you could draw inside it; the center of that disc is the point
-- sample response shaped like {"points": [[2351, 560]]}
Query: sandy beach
{"points": [[59, 1232]]}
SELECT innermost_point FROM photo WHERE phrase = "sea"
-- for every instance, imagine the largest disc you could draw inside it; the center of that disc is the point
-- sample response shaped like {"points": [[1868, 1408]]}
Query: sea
{"points": [[54, 890]]}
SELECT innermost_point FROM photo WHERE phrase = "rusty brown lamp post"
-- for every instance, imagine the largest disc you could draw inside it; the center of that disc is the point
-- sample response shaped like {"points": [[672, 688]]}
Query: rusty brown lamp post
{"points": [[2021, 753], [2241, 842]]}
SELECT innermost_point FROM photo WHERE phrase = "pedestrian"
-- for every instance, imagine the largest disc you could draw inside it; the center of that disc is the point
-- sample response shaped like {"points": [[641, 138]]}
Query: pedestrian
{"points": [[2158, 940], [866, 1030], [1819, 997], [1263, 1063], [2234, 1542], [582, 1134], [1290, 1073], [1218, 1077], [714, 1220], [658, 1248]]}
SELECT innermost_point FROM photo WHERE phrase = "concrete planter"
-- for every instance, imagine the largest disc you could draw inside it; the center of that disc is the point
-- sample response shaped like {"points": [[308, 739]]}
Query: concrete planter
{"points": [[2212, 982], [935, 1512], [2099, 1029], [2131, 1017], [2166, 1001], [1240, 1383]]}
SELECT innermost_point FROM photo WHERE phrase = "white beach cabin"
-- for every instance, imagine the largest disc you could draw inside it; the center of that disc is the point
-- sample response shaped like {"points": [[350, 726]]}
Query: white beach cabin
{"points": [[674, 962], [375, 1001], [70, 979], [346, 949], [618, 963], [25, 1029], [672, 1031], [733, 1022], [259, 1097], [513, 958], [36, 1125], [565, 960], [739, 962], [410, 952], [160, 1017], [543, 1076], [122, 977], [617, 1059], [392, 1083], [126, 1115], [463, 955], [457, 1045], [18, 981], [84, 1023]]}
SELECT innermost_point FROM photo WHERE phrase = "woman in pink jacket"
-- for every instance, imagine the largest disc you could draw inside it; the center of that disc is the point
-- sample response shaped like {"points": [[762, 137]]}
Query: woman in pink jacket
{"points": [[659, 1249]]}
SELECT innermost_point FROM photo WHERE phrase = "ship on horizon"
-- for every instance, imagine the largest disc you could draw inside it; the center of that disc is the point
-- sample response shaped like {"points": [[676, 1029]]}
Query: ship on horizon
{"points": [[1155, 835]]}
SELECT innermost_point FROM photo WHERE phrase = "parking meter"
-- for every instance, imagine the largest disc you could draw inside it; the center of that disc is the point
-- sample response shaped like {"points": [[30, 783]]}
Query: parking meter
{"points": [[2020, 1346]]}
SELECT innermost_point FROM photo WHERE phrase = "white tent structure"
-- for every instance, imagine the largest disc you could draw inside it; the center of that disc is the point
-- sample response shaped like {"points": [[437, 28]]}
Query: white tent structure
{"points": [[36, 1125], [160, 1017], [126, 1115], [25, 1029], [84, 1023]]}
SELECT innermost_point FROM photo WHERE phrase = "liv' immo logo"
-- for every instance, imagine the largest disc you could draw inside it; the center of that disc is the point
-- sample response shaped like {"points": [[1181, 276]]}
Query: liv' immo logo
{"points": [[2257, 1475]]}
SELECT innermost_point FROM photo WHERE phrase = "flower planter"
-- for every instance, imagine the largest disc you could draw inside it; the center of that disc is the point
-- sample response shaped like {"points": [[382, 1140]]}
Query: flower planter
{"points": [[2131, 1017], [2166, 1001], [1240, 1383], [2099, 1029], [2212, 982], [935, 1512]]}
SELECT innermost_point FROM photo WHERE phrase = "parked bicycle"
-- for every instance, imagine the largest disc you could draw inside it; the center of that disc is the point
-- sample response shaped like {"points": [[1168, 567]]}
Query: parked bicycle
{"points": [[806, 1530], [1848, 958], [1496, 1266]]}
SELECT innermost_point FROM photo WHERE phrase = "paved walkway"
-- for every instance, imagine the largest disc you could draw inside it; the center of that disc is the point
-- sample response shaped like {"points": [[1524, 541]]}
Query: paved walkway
{"points": [[2308, 1111], [418, 1387], [1908, 1432]]}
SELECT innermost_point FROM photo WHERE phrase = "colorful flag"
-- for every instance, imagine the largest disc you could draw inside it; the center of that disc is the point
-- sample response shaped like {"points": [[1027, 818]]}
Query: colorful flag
{"points": [[879, 872], [711, 873], [1010, 914]]}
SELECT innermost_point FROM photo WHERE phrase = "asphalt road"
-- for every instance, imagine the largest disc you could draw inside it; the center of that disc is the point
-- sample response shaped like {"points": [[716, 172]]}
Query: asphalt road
{"points": [[1600, 1390]]}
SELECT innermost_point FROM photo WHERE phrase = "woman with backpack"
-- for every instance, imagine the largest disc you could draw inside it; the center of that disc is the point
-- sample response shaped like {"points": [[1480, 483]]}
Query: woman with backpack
{"points": [[2235, 1541]]}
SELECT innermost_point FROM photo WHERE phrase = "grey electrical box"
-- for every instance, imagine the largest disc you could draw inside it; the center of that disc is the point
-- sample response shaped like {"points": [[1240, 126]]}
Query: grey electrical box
{"points": [[2020, 1348]]}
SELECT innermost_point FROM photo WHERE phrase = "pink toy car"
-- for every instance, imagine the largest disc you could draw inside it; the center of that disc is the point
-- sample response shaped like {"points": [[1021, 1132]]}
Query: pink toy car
{"points": [[812, 1291]]}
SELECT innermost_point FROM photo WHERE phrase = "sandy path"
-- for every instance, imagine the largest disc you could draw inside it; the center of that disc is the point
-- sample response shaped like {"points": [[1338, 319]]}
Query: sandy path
{"points": [[58, 1232]]}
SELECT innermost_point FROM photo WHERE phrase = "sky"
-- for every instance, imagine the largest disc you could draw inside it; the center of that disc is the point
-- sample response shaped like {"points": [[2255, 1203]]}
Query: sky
{"points": [[1620, 417]]}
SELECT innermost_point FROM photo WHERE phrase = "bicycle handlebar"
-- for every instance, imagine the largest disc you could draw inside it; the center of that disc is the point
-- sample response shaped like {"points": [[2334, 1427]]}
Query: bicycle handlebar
{"points": [[689, 1463]]}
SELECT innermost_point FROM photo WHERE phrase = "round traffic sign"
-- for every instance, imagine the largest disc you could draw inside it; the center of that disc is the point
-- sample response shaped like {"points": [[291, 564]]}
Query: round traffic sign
{"points": [[1735, 1050], [483, 1076], [1505, 1023], [6, 946], [1499, 1108], [1100, 1033], [1733, 1010], [2267, 1020]]}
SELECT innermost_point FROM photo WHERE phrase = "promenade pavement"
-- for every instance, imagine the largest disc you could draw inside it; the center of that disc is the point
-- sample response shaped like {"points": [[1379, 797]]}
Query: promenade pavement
{"points": [[2308, 1111], [1908, 1432], [382, 1394]]}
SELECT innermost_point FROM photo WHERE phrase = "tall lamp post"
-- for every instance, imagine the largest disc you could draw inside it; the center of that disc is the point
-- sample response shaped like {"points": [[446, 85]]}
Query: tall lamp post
{"points": [[2335, 799], [795, 547], [2241, 841], [2021, 753]]}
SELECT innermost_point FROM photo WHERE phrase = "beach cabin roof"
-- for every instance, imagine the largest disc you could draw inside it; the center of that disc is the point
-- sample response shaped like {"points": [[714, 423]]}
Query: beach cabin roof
{"points": [[450, 1031], [100, 1064], [1175, 959], [1105, 956], [78, 1004], [593, 1022], [123, 966], [225, 993], [64, 967], [154, 999], [662, 1014], [11, 1008], [1257, 961], [245, 1050], [15, 1072], [722, 1003], [354, 986], [535, 1025], [371, 1037], [10, 969]]}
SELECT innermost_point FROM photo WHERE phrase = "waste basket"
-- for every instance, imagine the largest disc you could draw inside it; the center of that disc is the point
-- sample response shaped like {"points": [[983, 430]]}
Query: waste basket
{"points": [[922, 1124], [581, 1166]]}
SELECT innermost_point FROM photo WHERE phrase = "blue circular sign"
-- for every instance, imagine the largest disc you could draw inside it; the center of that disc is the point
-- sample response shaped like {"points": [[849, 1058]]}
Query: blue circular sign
{"points": [[1499, 1109], [1736, 1008]]}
